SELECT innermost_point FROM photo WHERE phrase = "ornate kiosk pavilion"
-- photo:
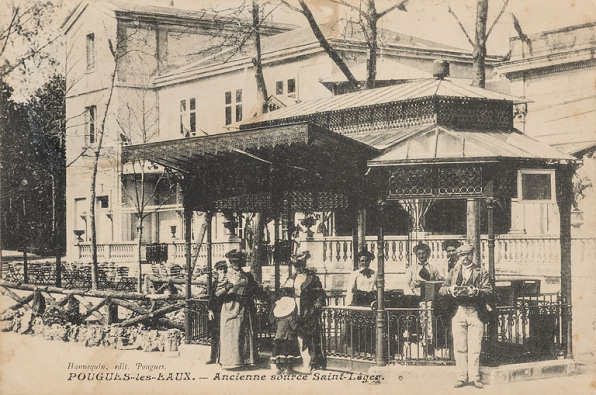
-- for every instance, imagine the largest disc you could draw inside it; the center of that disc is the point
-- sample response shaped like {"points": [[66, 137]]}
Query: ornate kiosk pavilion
{"points": [[427, 140]]}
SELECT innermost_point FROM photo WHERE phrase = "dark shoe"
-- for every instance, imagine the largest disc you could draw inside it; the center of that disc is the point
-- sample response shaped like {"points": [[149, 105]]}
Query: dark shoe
{"points": [[210, 362], [459, 384], [477, 384]]}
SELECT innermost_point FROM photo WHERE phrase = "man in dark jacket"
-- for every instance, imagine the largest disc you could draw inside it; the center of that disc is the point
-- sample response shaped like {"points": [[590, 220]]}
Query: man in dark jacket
{"points": [[469, 285], [450, 246], [215, 302]]}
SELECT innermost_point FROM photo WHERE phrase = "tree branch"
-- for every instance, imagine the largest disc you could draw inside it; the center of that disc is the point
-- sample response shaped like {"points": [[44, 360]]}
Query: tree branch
{"points": [[12, 22], [506, 2], [352, 6], [463, 29], [401, 6], [327, 47]]}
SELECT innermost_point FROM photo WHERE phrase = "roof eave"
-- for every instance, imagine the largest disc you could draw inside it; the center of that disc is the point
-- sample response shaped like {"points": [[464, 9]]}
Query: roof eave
{"points": [[464, 160]]}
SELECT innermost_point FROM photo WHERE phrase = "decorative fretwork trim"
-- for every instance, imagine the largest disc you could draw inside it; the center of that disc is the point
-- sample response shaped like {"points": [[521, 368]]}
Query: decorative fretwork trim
{"points": [[439, 182]]}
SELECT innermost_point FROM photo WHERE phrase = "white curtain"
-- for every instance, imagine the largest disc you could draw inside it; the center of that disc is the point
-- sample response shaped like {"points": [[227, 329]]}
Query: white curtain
{"points": [[417, 208]]}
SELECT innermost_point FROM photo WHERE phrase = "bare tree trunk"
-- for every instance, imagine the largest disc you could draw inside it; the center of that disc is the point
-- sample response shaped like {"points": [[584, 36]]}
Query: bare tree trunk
{"points": [[257, 62], [479, 54], [327, 47], [97, 153], [139, 250], [373, 45], [92, 220], [56, 226]]}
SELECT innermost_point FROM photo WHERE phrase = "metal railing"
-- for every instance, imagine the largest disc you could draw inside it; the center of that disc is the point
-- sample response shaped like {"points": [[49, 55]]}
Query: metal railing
{"points": [[530, 330], [414, 335]]}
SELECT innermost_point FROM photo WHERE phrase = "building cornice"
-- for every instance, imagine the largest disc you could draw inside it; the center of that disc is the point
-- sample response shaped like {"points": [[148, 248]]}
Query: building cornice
{"points": [[310, 49], [564, 61], [202, 20], [205, 22]]}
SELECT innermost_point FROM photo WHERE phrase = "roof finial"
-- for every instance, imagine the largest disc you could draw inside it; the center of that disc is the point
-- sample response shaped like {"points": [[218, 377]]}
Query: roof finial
{"points": [[440, 69]]}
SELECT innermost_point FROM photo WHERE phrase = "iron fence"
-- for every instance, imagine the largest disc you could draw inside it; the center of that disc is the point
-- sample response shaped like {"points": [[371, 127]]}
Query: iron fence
{"points": [[201, 328], [530, 330]]}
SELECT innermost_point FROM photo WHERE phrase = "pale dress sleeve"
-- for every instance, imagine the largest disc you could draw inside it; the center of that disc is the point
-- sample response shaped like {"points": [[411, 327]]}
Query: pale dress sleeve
{"points": [[350, 288]]}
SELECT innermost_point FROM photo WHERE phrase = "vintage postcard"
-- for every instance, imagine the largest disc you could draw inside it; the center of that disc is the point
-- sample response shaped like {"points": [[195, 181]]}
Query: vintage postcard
{"points": [[297, 196]]}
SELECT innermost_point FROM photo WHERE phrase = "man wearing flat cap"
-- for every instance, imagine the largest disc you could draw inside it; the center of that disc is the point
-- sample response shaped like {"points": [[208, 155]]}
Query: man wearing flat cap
{"points": [[360, 290], [422, 270], [310, 298], [469, 286]]}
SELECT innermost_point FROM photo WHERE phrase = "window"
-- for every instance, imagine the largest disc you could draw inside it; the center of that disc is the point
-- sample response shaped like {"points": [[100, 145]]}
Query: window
{"points": [[188, 117], [238, 112], [182, 116], [90, 117], [103, 201], [228, 115], [291, 85], [279, 88], [536, 186], [90, 51], [238, 107]]}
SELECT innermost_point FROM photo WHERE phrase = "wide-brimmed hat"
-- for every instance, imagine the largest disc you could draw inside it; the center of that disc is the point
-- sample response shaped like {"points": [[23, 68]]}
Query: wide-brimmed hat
{"points": [[451, 243], [421, 246], [220, 264], [301, 258], [236, 255], [465, 249], [284, 307], [366, 253]]}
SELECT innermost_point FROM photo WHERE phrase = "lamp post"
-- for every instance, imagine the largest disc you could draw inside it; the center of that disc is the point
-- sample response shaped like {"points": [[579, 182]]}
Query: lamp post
{"points": [[381, 318]]}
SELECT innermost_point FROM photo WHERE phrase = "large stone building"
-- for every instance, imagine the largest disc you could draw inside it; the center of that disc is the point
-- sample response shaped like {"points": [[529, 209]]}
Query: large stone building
{"points": [[556, 70]]}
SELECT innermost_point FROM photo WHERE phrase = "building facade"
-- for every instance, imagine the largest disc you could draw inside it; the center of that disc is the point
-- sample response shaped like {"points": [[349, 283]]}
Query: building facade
{"points": [[164, 79], [555, 70]]}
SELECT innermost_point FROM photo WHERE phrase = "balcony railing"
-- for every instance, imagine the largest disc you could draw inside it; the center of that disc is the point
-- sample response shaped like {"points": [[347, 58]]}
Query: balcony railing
{"points": [[332, 257], [509, 249]]}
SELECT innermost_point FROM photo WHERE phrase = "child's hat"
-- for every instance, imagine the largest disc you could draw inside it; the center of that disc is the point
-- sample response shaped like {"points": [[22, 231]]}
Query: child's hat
{"points": [[284, 307]]}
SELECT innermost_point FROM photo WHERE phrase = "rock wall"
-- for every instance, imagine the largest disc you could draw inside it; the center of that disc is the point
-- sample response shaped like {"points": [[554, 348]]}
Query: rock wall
{"points": [[25, 321]]}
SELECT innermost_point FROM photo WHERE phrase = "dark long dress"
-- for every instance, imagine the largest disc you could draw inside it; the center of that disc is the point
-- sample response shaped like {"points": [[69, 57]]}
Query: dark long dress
{"points": [[237, 348], [310, 332]]}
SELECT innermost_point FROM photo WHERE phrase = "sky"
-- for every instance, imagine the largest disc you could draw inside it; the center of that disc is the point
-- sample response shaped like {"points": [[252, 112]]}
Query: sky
{"points": [[426, 19]]}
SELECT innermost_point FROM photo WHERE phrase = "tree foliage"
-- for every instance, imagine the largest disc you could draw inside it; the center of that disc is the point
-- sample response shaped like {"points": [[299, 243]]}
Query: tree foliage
{"points": [[31, 158]]}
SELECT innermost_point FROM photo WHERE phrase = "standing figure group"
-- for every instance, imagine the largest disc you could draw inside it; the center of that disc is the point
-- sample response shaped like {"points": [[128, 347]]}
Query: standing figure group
{"points": [[465, 298], [234, 293], [302, 327], [297, 315]]}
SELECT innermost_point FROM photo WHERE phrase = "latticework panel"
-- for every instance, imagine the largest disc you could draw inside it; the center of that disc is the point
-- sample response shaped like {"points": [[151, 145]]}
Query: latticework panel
{"points": [[245, 203], [413, 181], [385, 116], [474, 113], [311, 201], [465, 180]]}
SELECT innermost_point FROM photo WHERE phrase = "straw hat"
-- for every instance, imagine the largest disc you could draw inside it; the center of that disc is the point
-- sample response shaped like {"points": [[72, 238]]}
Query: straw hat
{"points": [[284, 307]]}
